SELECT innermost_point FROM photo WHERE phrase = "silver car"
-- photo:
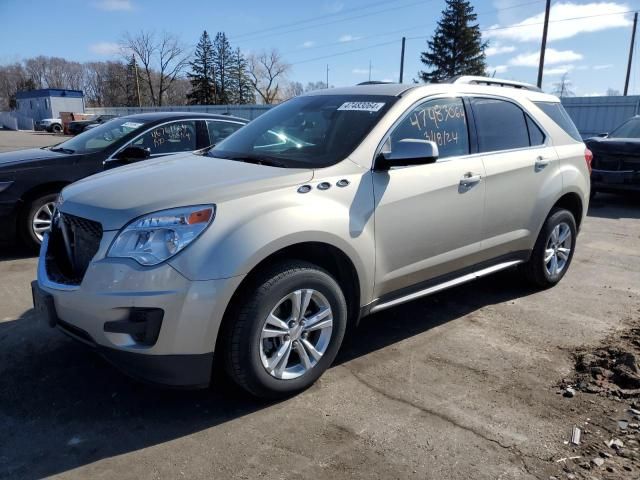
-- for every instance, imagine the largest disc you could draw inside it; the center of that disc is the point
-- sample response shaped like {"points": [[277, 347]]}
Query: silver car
{"points": [[258, 255]]}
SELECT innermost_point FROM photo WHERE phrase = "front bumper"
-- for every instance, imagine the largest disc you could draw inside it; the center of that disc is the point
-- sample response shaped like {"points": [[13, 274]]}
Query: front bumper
{"points": [[113, 290], [615, 180]]}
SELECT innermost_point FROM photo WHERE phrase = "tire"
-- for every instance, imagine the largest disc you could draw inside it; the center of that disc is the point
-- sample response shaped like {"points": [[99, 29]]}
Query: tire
{"points": [[37, 207], [56, 128], [543, 274], [248, 354]]}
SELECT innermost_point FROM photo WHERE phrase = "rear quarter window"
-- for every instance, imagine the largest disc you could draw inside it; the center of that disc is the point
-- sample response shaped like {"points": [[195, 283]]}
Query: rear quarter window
{"points": [[559, 115]]}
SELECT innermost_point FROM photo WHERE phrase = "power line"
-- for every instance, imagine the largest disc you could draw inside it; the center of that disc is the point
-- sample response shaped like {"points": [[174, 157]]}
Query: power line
{"points": [[346, 52], [401, 30], [368, 14]]}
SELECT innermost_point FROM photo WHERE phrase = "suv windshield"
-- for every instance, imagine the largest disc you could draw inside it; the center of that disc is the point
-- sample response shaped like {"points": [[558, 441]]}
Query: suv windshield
{"points": [[306, 132], [629, 129], [100, 137]]}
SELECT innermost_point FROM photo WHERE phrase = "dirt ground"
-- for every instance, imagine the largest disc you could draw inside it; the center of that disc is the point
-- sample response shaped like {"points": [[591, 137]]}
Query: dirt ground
{"points": [[10, 140], [466, 384]]}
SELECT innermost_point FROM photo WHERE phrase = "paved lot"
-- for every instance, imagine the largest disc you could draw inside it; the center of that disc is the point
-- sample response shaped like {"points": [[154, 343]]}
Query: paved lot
{"points": [[458, 386], [10, 140]]}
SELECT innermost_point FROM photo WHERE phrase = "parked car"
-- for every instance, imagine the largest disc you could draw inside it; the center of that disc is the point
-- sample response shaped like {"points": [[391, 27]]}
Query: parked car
{"points": [[30, 180], [616, 158], [259, 253], [80, 126], [53, 125]]}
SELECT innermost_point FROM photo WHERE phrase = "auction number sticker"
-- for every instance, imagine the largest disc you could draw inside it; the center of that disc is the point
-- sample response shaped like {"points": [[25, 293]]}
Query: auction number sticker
{"points": [[361, 106]]}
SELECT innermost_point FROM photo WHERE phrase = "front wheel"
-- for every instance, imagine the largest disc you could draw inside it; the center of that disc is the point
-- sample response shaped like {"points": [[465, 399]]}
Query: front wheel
{"points": [[287, 330], [37, 219], [553, 251]]}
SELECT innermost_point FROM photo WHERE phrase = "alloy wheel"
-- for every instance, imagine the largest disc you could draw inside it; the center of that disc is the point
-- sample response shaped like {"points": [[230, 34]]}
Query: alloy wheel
{"points": [[296, 334], [558, 249], [41, 221]]}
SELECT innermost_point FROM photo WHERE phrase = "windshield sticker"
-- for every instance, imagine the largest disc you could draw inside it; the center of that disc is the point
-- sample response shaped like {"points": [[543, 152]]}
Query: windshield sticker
{"points": [[132, 124], [361, 106]]}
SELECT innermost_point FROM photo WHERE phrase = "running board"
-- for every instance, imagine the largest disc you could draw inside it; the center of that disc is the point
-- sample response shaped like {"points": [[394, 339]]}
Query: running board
{"points": [[443, 286]]}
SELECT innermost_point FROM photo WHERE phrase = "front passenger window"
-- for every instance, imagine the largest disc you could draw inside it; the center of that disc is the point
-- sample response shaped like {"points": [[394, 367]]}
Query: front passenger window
{"points": [[441, 121], [170, 138]]}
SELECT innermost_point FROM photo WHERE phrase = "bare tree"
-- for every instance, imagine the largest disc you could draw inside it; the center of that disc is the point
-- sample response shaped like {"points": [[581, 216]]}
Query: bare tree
{"points": [[265, 70], [563, 87], [12, 78], [163, 59], [612, 92]]}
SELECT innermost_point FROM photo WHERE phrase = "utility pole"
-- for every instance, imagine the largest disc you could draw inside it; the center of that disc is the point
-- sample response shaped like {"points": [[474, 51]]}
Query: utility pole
{"points": [[543, 48], [369, 69], [404, 39], [633, 40], [327, 75]]}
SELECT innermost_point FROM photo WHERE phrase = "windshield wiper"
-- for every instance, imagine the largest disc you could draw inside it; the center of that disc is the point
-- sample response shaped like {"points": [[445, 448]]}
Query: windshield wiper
{"points": [[62, 150], [258, 160]]}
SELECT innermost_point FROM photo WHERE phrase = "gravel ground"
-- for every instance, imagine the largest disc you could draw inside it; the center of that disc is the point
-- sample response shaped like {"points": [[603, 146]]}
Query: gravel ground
{"points": [[460, 385]]}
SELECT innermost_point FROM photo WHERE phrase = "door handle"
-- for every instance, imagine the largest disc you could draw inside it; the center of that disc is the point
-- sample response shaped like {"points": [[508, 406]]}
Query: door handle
{"points": [[470, 179], [541, 163]]}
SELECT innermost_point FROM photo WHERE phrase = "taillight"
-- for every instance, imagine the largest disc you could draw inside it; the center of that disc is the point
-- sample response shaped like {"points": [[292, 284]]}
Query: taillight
{"points": [[588, 157]]}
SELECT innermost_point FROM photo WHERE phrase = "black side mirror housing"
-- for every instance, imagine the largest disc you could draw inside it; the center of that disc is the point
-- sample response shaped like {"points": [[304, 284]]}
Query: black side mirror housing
{"points": [[133, 154], [408, 152]]}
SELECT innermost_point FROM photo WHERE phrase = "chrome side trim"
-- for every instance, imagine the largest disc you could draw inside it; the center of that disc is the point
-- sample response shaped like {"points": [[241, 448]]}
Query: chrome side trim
{"points": [[442, 286], [43, 279]]}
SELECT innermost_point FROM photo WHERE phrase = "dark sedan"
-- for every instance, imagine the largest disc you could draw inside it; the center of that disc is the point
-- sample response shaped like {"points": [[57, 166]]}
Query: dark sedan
{"points": [[79, 126], [30, 180], [616, 158]]}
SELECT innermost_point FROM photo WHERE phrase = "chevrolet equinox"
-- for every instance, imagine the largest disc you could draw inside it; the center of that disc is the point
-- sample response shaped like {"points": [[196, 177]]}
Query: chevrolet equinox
{"points": [[266, 247]]}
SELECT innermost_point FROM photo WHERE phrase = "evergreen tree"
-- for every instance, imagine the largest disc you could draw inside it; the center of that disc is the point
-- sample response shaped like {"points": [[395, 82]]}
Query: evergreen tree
{"points": [[223, 62], [132, 84], [203, 73], [456, 48], [241, 89]]}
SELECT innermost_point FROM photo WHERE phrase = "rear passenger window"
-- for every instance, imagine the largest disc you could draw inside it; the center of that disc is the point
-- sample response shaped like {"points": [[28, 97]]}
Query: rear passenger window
{"points": [[558, 114], [536, 137], [219, 130], [500, 125], [441, 121]]}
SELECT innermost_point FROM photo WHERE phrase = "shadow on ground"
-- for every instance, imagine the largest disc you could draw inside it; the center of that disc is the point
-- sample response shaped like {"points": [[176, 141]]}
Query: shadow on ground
{"points": [[62, 406], [615, 206]]}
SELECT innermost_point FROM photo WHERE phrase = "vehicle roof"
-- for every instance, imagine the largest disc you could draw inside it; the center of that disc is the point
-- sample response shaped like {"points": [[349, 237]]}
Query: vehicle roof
{"points": [[398, 89], [155, 116]]}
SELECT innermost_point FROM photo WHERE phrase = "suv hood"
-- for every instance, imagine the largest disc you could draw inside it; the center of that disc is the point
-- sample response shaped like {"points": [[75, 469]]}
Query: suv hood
{"points": [[117, 196]]}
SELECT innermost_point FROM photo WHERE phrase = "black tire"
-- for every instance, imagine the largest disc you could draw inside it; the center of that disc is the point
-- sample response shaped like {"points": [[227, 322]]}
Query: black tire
{"points": [[534, 270], [56, 128], [242, 336], [27, 232]]}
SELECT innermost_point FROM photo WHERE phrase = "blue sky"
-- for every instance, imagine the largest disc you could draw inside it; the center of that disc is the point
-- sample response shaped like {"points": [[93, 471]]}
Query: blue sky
{"points": [[350, 33]]}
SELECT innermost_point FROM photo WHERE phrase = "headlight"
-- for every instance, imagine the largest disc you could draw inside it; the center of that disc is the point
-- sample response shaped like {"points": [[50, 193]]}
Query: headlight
{"points": [[156, 237]]}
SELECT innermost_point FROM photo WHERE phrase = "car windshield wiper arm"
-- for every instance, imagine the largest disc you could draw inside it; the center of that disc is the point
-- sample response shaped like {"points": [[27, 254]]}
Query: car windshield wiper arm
{"points": [[257, 160], [62, 150]]}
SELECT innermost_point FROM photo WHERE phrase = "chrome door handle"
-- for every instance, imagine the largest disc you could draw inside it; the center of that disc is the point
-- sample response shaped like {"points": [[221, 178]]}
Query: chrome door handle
{"points": [[470, 180], [541, 163]]}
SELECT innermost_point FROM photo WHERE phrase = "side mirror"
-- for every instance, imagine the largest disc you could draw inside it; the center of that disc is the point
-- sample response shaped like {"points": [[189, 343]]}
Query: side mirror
{"points": [[604, 134], [408, 152], [133, 154]]}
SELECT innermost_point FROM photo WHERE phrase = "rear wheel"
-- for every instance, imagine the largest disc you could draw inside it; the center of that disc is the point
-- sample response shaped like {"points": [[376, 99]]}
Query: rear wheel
{"points": [[553, 251], [37, 219], [56, 128], [286, 331]]}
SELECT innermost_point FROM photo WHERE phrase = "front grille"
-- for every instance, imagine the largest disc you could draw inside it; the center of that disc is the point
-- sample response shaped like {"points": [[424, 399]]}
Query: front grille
{"points": [[73, 242], [615, 162]]}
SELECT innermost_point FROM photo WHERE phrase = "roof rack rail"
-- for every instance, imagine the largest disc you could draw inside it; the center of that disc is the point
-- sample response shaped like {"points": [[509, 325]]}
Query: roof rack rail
{"points": [[493, 82]]}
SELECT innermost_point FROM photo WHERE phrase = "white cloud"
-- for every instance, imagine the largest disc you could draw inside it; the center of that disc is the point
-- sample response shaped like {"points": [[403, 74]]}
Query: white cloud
{"points": [[348, 38], [602, 67], [552, 57], [498, 69], [560, 24], [498, 49], [308, 44], [560, 70], [113, 5], [104, 48]]}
